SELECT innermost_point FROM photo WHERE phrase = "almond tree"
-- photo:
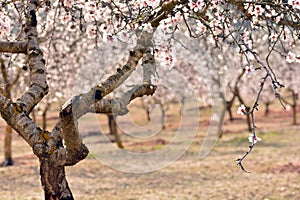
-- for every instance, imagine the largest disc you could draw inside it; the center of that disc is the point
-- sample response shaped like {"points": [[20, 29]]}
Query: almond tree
{"points": [[32, 21]]}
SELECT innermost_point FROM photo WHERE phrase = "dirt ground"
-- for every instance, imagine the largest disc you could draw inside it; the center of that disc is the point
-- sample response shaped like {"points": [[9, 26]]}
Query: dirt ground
{"points": [[274, 164]]}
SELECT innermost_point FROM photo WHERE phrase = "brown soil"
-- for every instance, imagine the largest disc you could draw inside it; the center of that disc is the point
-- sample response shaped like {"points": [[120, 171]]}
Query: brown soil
{"points": [[274, 165]]}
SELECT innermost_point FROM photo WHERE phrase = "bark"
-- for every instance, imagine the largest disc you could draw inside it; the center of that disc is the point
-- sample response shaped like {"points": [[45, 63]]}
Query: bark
{"points": [[113, 130], [13, 47], [54, 181]]}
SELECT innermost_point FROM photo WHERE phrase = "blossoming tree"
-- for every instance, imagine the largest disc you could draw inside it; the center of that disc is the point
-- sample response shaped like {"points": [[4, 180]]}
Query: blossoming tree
{"points": [[26, 25]]}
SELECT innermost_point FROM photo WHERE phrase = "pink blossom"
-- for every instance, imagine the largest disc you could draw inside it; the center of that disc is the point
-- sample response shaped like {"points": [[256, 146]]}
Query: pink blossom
{"points": [[241, 110], [196, 6], [4, 24], [249, 69], [258, 10], [291, 57], [253, 139], [91, 31], [273, 37], [69, 3], [65, 18]]}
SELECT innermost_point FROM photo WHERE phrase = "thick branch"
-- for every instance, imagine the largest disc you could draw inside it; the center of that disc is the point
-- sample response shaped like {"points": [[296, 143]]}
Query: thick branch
{"points": [[39, 86], [13, 47], [118, 106], [75, 149], [13, 115]]}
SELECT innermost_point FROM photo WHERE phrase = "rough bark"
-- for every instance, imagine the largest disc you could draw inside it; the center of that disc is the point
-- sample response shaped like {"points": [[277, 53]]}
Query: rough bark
{"points": [[39, 87], [54, 181], [13, 47]]}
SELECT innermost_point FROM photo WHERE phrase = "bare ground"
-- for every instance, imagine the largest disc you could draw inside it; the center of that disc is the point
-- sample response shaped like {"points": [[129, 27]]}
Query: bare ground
{"points": [[274, 166]]}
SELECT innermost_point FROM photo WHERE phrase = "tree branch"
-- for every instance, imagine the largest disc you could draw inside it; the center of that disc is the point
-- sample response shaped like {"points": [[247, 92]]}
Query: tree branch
{"points": [[13, 47], [39, 86]]}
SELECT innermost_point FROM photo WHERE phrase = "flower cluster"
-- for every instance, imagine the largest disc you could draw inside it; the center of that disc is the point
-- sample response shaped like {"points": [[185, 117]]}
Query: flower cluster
{"points": [[165, 55], [295, 4], [245, 37], [196, 6], [291, 57]]}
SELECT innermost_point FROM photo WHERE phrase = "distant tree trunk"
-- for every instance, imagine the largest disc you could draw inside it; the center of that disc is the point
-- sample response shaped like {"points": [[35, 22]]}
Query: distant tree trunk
{"points": [[248, 120], [163, 117], [7, 147], [247, 109], [267, 111], [44, 116], [113, 130], [294, 107], [8, 161], [182, 102], [147, 109], [229, 105]]}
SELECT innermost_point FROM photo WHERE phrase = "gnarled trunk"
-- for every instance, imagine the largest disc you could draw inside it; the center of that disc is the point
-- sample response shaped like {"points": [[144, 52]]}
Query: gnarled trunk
{"points": [[54, 181]]}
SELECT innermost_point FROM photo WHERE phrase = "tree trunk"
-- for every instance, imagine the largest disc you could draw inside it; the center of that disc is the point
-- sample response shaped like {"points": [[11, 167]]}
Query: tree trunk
{"points": [[248, 120], [7, 147], [267, 111], [294, 106], [113, 130], [228, 107], [148, 114], [44, 116], [147, 109], [163, 116], [54, 181]]}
